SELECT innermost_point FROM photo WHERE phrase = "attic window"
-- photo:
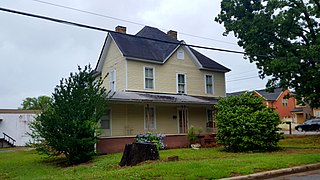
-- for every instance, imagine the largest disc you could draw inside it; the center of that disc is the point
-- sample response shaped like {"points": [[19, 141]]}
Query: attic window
{"points": [[180, 54]]}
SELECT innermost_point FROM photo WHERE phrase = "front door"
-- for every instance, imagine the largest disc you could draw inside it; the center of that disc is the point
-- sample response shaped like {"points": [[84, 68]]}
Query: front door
{"points": [[183, 122]]}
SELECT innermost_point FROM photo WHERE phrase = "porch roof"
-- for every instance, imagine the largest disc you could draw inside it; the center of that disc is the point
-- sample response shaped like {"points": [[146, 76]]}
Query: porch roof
{"points": [[161, 98], [297, 110]]}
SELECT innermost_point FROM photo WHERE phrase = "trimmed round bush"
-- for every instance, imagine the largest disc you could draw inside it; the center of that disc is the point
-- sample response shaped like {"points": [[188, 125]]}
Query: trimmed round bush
{"points": [[246, 124]]}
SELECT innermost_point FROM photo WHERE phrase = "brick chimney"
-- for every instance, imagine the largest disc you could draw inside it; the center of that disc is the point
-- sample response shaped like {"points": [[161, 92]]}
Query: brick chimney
{"points": [[121, 29], [173, 34]]}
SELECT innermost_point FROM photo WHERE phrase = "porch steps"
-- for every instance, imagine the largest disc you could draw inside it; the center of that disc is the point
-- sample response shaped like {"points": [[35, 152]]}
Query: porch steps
{"points": [[7, 141]]}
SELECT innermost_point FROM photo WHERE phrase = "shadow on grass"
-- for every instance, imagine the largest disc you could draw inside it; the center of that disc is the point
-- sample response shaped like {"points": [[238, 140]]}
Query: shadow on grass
{"points": [[57, 161]]}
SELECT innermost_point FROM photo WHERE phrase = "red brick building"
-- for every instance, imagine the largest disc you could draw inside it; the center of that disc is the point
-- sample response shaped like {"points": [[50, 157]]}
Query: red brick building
{"points": [[277, 100]]}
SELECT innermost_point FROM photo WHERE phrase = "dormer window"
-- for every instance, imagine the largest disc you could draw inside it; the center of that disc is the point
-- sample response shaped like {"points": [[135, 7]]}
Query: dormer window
{"points": [[180, 54]]}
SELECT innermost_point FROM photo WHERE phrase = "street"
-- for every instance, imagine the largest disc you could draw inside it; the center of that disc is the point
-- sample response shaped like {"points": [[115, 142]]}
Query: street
{"points": [[308, 175], [302, 133]]}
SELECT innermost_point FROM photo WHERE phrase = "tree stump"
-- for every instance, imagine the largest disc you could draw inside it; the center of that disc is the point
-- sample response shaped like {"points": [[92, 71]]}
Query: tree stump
{"points": [[138, 152], [173, 158]]}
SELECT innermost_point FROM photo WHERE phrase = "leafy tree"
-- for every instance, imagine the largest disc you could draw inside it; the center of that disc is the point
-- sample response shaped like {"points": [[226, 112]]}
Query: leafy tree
{"points": [[283, 38], [33, 103], [246, 124], [70, 125]]}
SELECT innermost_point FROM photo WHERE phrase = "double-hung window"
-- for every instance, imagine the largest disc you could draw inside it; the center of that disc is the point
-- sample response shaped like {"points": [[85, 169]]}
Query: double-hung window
{"points": [[148, 78], [209, 84], [149, 117], [181, 83]]}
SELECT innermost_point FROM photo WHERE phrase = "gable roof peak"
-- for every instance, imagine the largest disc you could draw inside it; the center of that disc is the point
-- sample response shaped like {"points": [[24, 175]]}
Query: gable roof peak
{"points": [[153, 45]]}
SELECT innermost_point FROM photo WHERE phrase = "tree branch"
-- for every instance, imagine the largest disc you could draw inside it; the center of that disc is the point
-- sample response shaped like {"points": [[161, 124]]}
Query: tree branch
{"points": [[317, 3], [307, 17]]}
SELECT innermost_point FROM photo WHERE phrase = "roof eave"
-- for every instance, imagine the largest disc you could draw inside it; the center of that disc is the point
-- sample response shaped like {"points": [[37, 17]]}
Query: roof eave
{"points": [[212, 69], [143, 60]]}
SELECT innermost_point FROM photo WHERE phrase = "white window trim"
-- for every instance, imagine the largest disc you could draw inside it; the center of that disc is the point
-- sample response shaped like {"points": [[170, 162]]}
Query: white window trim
{"points": [[285, 102], [144, 77], [205, 83], [155, 118], [185, 83], [115, 80]]}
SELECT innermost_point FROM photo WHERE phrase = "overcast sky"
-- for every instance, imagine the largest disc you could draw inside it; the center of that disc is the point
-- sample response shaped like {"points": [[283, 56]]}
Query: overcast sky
{"points": [[35, 54]]}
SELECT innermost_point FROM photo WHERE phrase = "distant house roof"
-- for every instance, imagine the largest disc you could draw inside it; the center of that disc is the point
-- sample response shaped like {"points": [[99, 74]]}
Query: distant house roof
{"points": [[152, 45], [268, 96], [237, 93]]}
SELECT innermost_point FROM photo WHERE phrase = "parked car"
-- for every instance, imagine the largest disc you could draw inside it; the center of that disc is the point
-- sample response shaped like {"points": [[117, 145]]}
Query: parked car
{"points": [[309, 125]]}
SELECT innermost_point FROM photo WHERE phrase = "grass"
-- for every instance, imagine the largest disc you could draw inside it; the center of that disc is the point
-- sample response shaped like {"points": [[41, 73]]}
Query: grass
{"points": [[23, 163]]}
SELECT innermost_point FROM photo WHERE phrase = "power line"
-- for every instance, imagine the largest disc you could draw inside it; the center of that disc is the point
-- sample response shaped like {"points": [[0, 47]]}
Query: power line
{"points": [[243, 72], [123, 20], [243, 76], [88, 12], [106, 30], [240, 79]]}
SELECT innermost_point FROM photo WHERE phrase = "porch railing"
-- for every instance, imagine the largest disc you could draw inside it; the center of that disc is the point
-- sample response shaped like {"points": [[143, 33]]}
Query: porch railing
{"points": [[9, 139]]}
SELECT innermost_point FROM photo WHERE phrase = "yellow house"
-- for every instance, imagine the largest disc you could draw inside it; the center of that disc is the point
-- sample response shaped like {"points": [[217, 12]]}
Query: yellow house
{"points": [[160, 85]]}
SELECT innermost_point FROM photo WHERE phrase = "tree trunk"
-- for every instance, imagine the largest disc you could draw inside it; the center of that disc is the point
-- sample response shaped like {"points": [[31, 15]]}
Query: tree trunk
{"points": [[138, 152]]}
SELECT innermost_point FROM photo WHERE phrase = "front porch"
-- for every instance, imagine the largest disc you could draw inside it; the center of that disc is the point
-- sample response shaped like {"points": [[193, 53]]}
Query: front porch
{"points": [[132, 113]]}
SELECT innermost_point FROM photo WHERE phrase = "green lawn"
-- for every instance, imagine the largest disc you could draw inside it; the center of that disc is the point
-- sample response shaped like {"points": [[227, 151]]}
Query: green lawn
{"points": [[22, 163]]}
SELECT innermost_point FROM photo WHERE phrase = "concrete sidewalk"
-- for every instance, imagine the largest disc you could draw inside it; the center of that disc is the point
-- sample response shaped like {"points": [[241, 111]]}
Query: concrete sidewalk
{"points": [[275, 173]]}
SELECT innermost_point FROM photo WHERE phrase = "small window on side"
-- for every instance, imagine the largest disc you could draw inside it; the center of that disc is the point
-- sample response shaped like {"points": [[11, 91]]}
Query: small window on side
{"points": [[180, 54]]}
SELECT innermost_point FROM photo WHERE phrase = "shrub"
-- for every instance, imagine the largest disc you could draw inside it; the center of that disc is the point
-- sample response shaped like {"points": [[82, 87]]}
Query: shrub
{"points": [[246, 124], [69, 126], [193, 134], [151, 138]]}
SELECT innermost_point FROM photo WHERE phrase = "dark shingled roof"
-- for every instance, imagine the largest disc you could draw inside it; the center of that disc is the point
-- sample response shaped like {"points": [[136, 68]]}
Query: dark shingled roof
{"points": [[270, 96], [207, 62], [133, 46], [237, 93]]}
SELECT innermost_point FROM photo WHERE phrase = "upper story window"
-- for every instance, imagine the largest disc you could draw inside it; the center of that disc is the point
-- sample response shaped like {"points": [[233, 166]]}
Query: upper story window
{"points": [[285, 102], [209, 84], [113, 80], [180, 54], [148, 77], [181, 83]]}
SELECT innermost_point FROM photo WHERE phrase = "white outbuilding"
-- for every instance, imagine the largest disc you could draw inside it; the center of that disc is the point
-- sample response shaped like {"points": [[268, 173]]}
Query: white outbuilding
{"points": [[14, 126]]}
